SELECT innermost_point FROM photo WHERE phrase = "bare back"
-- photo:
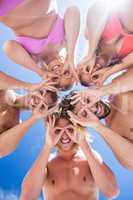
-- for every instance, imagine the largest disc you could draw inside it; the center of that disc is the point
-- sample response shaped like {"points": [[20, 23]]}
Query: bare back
{"points": [[70, 180], [9, 115], [121, 118]]}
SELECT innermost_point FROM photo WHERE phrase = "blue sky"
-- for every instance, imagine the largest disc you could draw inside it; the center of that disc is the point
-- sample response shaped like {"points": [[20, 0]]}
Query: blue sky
{"points": [[14, 167]]}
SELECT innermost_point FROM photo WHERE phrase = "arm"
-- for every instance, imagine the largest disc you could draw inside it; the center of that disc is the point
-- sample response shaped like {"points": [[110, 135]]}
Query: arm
{"points": [[122, 147], [126, 63], [95, 23], [102, 174], [8, 82], [72, 26], [119, 85], [11, 138], [37, 173]]}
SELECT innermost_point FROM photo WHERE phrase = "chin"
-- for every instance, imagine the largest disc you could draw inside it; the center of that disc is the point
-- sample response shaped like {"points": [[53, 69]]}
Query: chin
{"points": [[66, 147]]}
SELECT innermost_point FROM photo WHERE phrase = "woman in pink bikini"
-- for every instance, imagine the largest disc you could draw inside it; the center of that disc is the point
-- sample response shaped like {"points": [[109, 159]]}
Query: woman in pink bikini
{"points": [[41, 34], [111, 32]]}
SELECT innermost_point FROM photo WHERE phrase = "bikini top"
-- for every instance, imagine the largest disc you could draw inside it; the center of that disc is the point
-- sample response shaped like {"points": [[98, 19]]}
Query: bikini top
{"points": [[7, 6], [114, 29]]}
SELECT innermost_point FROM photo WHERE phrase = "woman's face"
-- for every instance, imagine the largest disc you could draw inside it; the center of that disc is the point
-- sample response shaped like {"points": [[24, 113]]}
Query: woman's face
{"points": [[63, 76]]}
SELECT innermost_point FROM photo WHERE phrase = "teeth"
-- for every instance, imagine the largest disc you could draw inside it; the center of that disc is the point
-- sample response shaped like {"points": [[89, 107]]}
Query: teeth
{"points": [[65, 141]]}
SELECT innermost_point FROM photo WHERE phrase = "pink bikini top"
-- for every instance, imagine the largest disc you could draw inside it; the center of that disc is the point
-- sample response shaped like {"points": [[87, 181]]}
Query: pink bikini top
{"points": [[7, 6], [114, 29], [36, 46]]}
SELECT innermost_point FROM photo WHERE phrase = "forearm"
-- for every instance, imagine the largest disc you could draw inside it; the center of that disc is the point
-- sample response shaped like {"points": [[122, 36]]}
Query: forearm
{"points": [[37, 176], [103, 176], [11, 138], [117, 143], [72, 26], [95, 24], [119, 85], [8, 82], [125, 63]]}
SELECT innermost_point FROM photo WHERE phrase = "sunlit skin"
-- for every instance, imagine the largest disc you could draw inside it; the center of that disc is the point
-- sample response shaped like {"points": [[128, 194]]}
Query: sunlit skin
{"points": [[81, 109], [61, 75], [40, 16], [12, 104], [76, 172]]}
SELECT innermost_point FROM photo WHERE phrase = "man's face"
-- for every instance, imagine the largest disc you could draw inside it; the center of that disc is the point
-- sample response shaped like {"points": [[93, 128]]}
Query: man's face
{"points": [[63, 77], [64, 126], [99, 109]]}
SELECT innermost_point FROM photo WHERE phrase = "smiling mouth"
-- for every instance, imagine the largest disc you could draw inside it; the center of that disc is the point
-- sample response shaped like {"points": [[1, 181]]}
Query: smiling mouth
{"points": [[65, 141]]}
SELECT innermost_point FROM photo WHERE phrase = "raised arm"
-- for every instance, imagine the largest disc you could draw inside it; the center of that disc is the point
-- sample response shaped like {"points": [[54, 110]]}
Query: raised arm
{"points": [[119, 85], [8, 82], [102, 174], [116, 142], [37, 173], [11, 138], [95, 23]]}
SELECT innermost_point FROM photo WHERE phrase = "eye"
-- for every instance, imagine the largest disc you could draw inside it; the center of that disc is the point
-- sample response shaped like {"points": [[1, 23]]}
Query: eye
{"points": [[95, 77], [71, 130], [57, 131], [67, 72], [55, 79], [87, 68], [84, 113]]}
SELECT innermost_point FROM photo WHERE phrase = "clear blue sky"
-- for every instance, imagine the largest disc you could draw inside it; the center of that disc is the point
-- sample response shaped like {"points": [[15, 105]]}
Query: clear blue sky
{"points": [[14, 167]]}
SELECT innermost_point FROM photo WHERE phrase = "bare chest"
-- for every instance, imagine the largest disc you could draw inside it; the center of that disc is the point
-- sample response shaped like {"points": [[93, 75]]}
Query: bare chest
{"points": [[75, 178]]}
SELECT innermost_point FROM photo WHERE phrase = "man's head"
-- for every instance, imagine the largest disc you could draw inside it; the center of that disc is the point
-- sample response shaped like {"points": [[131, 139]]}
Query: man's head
{"points": [[63, 78], [64, 126], [100, 109]]}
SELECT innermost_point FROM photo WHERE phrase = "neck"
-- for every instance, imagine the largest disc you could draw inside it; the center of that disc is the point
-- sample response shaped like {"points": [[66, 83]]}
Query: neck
{"points": [[67, 155]]}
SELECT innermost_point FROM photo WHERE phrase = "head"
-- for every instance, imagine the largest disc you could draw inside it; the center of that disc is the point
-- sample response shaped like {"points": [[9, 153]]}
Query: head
{"points": [[85, 77], [63, 78], [100, 109], [48, 98], [65, 144]]}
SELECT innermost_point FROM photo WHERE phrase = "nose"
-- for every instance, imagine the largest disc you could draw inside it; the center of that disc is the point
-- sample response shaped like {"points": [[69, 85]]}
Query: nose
{"points": [[64, 136]]}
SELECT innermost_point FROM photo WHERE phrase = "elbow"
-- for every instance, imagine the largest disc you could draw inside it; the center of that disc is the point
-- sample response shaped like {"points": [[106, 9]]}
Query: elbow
{"points": [[112, 193]]}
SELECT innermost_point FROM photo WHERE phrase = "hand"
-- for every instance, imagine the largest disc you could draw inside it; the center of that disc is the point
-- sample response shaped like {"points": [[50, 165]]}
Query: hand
{"points": [[51, 138], [90, 121], [45, 85], [87, 64], [87, 96], [69, 64], [40, 111], [100, 76], [78, 136]]}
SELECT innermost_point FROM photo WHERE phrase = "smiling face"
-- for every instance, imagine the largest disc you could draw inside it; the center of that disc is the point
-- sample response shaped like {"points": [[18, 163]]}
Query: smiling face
{"points": [[84, 74], [65, 143], [63, 79], [100, 109]]}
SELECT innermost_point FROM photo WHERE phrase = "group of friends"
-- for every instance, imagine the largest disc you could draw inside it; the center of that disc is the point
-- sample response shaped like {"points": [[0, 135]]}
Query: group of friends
{"points": [[41, 35]]}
